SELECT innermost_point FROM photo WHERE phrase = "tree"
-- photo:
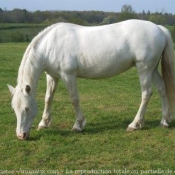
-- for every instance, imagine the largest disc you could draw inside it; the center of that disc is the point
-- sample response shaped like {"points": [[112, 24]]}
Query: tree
{"points": [[127, 12], [157, 18], [1, 15], [127, 9], [108, 20]]}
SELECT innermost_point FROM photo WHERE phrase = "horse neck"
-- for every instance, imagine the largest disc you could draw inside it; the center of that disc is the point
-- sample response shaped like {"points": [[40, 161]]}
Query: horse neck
{"points": [[30, 69]]}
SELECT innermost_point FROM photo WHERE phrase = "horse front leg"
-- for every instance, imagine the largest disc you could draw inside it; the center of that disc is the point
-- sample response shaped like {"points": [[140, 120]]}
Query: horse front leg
{"points": [[51, 87], [145, 81], [70, 81]]}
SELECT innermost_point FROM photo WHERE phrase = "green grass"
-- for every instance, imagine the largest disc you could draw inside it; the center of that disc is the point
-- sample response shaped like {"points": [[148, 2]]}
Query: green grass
{"points": [[109, 106]]}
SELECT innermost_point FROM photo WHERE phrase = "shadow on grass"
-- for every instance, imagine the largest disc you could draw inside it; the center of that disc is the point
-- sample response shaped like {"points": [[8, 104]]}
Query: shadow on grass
{"points": [[156, 123], [37, 135], [95, 127]]}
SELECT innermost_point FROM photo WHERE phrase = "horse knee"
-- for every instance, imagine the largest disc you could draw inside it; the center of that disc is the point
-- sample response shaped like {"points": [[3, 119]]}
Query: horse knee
{"points": [[75, 101], [146, 95]]}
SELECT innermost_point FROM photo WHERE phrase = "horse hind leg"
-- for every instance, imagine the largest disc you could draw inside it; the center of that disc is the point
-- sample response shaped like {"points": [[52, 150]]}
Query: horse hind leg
{"points": [[160, 85], [51, 88], [146, 89]]}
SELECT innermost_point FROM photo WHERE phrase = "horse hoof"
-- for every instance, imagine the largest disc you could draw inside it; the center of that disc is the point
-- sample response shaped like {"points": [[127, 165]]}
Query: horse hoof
{"points": [[41, 127], [163, 125], [130, 129], [79, 127], [76, 130]]}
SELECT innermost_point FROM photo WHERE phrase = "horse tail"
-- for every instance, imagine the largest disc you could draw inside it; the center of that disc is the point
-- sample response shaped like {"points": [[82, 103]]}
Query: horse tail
{"points": [[167, 68]]}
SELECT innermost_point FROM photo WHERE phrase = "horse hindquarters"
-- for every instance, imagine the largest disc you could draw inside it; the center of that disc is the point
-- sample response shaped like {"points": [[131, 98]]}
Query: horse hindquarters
{"points": [[165, 84]]}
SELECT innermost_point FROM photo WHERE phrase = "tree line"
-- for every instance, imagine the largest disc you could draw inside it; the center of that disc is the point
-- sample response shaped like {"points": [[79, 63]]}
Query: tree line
{"points": [[26, 20], [83, 17]]}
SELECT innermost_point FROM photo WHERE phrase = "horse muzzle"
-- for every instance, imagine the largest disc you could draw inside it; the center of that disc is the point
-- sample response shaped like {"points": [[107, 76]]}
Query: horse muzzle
{"points": [[23, 136]]}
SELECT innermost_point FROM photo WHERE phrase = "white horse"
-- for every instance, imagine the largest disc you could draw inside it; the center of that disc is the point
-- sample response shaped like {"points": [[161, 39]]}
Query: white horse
{"points": [[68, 51]]}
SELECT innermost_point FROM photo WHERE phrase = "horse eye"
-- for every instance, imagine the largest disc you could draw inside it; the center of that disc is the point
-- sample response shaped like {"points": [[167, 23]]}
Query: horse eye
{"points": [[26, 109]]}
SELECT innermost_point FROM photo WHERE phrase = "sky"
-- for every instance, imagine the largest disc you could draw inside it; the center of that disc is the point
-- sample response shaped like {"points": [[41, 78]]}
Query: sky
{"points": [[165, 6]]}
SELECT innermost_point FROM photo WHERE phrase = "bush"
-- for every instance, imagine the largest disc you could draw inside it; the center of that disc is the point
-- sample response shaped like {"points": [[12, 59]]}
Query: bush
{"points": [[17, 37], [173, 34]]}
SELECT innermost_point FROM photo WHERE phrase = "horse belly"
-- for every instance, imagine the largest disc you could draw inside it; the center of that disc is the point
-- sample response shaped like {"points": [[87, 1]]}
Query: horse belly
{"points": [[104, 68]]}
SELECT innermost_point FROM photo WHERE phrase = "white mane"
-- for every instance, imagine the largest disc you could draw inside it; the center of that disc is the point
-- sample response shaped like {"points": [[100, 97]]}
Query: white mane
{"points": [[28, 63]]}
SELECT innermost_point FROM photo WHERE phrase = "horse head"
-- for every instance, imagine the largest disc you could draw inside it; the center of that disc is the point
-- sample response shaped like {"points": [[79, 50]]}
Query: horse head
{"points": [[25, 108]]}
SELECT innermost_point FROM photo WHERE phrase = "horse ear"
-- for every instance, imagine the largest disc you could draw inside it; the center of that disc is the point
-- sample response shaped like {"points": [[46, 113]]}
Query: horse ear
{"points": [[27, 89], [11, 89]]}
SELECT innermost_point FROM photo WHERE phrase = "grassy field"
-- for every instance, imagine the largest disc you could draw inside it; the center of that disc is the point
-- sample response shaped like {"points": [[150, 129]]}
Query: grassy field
{"points": [[104, 147], [12, 32]]}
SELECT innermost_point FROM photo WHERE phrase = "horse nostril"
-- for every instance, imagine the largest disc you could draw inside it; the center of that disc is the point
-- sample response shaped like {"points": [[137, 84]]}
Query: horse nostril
{"points": [[24, 135]]}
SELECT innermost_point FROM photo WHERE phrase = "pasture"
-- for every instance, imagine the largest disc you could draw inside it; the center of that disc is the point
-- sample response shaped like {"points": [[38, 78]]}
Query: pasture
{"points": [[10, 32], [104, 146]]}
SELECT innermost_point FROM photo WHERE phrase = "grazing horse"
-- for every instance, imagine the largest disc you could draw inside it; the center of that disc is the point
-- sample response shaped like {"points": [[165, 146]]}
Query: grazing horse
{"points": [[67, 51]]}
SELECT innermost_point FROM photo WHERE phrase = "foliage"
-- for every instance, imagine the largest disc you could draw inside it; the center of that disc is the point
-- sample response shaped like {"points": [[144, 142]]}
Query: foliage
{"points": [[127, 12], [109, 20], [157, 18], [17, 37], [82, 17], [12, 32], [109, 106], [173, 33], [20, 25]]}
